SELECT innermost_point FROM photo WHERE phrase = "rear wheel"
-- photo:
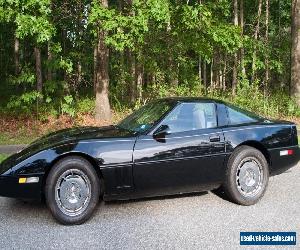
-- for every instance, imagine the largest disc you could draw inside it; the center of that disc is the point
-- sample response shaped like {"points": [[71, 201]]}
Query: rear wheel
{"points": [[72, 190], [246, 176]]}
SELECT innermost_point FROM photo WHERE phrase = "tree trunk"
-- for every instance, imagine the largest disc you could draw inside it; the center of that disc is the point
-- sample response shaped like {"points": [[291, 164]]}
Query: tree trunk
{"points": [[200, 69], [205, 76], [212, 85], [139, 80], [242, 24], [235, 57], [221, 73], [131, 61], [295, 60], [102, 111], [132, 73], [174, 74], [172, 64], [256, 32], [38, 69], [17, 56], [49, 71], [95, 67], [217, 60], [267, 75], [200, 60], [79, 72], [49, 53], [224, 73]]}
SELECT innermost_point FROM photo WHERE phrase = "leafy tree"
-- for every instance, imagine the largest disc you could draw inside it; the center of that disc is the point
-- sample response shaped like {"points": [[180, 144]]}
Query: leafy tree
{"points": [[296, 50], [122, 53]]}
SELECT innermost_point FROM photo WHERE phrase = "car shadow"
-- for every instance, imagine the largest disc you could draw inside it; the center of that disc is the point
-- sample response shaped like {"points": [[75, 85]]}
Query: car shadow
{"points": [[27, 204], [34, 211], [37, 212], [221, 194], [31, 205], [156, 198]]}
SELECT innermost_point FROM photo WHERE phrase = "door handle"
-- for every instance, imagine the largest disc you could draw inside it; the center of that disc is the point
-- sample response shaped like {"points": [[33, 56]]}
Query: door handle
{"points": [[215, 138]]}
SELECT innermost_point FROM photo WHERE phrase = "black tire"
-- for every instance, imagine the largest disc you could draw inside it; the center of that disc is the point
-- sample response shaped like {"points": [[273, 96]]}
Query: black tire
{"points": [[85, 176], [232, 183]]}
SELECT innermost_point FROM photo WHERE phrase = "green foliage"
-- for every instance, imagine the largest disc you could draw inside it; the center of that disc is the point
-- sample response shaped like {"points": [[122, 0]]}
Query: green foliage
{"points": [[3, 157], [26, 76], [67, 106], [166, 40], [250, 97], [129, 30], [85, 106], [25, 102], [37, 27], [34, 101], [30, 18]]}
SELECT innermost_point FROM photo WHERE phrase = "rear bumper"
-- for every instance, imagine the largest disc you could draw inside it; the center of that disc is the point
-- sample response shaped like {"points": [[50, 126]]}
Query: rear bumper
{"points": [[10, 187], [281, 163]]}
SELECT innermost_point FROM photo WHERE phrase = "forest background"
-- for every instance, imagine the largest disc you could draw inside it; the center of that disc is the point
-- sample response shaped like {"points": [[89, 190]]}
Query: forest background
{"points": [[91, 62]]}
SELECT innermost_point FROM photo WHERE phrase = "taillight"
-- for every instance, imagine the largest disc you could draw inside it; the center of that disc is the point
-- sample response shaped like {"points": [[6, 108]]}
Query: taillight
{"points": [[287, 152]]}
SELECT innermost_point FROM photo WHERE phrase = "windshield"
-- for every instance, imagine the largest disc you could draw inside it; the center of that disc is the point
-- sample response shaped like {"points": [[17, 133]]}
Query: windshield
{"points": [[145, 117]]}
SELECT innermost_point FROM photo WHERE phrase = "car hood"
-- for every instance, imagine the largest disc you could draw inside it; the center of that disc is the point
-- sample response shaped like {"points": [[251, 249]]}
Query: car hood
{"points": [[63, 137], [82, 133]]}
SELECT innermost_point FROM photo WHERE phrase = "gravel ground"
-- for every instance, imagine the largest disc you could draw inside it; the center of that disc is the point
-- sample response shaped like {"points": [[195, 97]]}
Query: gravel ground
{"points": [[198, 221]]}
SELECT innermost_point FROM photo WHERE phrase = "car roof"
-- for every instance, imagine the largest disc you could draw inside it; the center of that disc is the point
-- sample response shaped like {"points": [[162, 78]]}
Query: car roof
{"points": [[192, 99]]}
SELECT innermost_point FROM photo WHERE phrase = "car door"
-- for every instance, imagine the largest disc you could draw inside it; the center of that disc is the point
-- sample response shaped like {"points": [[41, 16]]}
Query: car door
{"points": [[188, 157]]}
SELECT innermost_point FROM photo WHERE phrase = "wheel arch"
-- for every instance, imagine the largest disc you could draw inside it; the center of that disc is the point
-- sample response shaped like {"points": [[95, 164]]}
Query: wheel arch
{"points": [[230, 183], [87, 157], [260, 147]]}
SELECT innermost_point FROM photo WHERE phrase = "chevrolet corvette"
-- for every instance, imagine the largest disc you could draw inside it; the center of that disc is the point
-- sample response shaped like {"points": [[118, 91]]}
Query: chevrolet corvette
{"points": [[169, 146]]}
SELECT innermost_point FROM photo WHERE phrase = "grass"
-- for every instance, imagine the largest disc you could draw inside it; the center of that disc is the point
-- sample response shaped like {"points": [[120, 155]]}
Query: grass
{"points": [[3, 157], [20, 138]]}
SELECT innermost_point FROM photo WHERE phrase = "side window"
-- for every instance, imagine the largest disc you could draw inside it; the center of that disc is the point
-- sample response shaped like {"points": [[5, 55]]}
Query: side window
{"points": [[236, 117], [191, 116]]}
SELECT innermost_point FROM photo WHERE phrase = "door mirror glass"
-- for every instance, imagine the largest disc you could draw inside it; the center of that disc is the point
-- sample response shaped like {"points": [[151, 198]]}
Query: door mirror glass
{"points": [[162, 131]]}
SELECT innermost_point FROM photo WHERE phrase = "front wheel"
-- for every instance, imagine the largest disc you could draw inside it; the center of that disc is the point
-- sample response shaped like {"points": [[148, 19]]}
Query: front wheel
{"points": [[246, 176], [72, 190]]}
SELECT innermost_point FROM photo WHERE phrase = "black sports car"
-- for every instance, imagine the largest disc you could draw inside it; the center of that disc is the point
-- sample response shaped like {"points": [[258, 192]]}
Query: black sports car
{"points": [[169, 146]]}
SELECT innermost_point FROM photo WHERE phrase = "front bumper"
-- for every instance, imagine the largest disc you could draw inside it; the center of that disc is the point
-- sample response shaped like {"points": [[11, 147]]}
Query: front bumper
{"points": [[10, 187]]}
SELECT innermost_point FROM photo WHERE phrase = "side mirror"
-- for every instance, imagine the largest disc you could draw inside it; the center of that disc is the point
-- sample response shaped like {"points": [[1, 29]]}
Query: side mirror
{"points": [[162, 131]]}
